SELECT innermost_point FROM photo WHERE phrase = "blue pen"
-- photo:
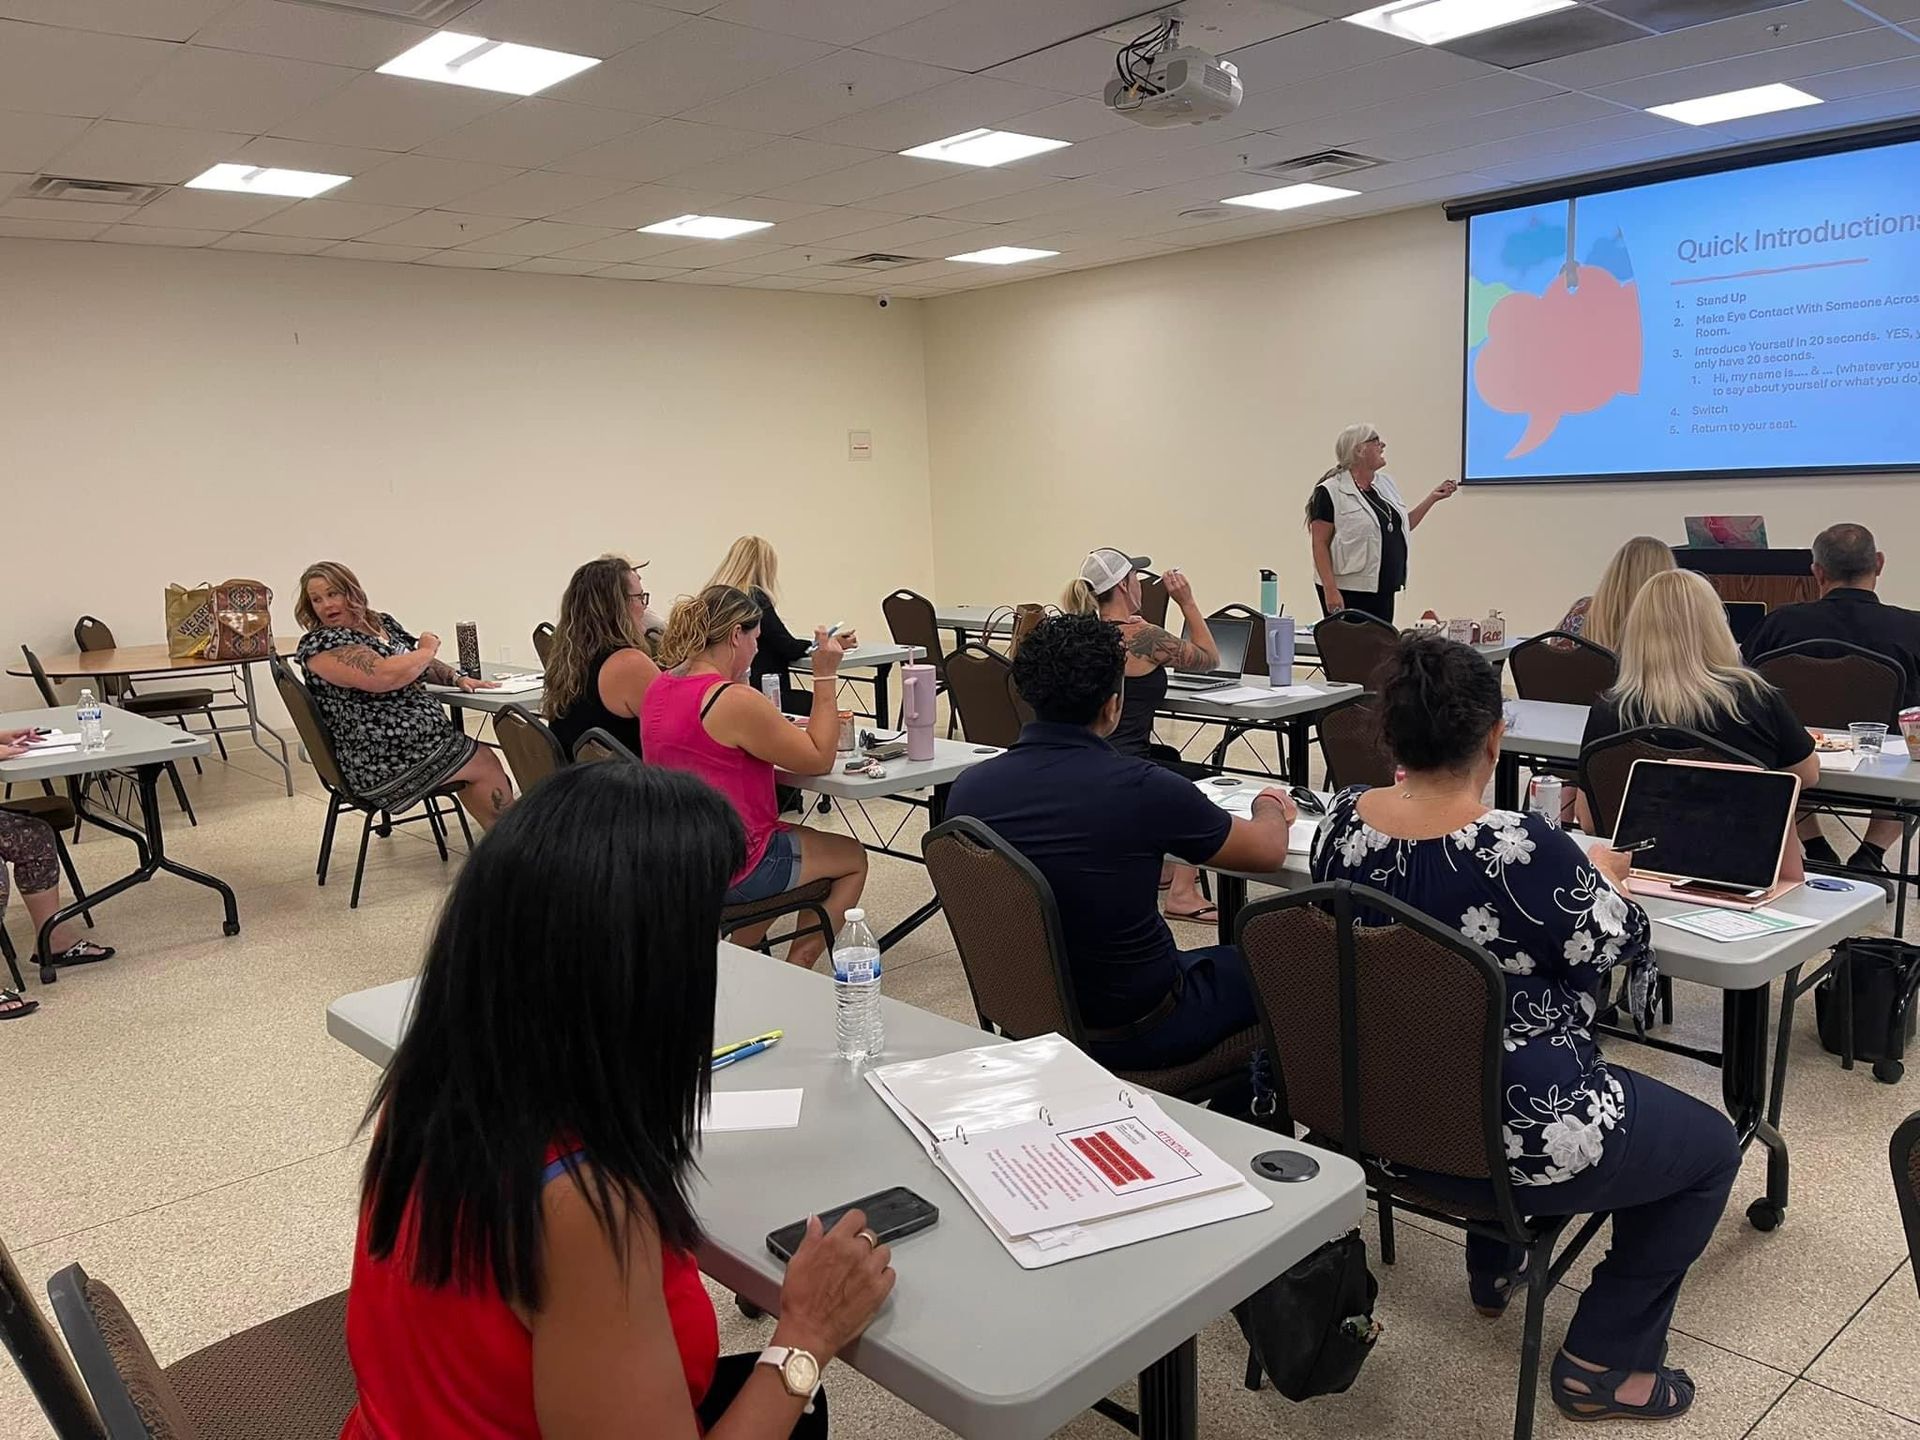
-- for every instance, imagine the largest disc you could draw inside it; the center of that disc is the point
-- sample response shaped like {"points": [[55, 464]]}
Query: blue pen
{"points": [[733, 1057]]}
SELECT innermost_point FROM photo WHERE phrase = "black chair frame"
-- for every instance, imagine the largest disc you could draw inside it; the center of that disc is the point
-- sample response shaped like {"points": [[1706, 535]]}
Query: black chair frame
{"points": [[1905, 1164], [42, 1359], [1537, 1236]]}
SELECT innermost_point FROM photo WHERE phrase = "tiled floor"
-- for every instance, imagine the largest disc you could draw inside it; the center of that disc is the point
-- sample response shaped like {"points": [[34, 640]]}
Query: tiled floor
{"points": [[181, 1124]]}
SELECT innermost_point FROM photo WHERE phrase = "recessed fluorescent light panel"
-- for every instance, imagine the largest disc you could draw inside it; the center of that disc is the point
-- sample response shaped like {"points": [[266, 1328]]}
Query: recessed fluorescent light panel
{"points": [[705, 227], [1735, 105], [1002, 255], [1289, 197], [484, 64], [1434, 22], [986, 147], [264, 180]]}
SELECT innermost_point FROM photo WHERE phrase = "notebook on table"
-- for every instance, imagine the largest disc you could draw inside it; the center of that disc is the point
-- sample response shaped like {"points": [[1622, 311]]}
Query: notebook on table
{"points": [[1721, 834]]}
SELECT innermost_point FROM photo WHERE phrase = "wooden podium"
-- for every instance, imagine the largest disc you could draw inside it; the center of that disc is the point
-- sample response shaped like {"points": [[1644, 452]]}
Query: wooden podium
{"points": [[1773, 577]]}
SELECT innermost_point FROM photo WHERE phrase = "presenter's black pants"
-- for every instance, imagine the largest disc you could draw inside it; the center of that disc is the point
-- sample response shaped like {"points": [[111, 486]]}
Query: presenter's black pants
{"points": [[1377, 603]]}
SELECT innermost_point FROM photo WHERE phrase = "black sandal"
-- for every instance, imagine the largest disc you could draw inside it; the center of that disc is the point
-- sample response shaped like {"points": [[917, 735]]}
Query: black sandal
{"points": [[85, 952], [1600, 1400], [15, 1006], [1491, 1294]]}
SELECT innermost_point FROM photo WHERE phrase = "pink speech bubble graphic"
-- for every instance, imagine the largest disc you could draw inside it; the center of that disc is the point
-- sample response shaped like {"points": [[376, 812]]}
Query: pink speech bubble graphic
{"points": [[1565, 352]]}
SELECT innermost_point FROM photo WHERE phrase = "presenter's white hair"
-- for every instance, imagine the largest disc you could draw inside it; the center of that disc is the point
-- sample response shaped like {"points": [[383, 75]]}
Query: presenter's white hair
{"points": [[1347, 444]]}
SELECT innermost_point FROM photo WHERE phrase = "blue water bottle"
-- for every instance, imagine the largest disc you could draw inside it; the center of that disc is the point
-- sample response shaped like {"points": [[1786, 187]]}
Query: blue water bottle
{"points": [[1269, 593]]}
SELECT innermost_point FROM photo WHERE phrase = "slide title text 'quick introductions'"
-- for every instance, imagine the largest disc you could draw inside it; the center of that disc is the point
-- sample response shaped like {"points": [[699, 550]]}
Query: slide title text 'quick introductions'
{"points": [[1754, 242]]}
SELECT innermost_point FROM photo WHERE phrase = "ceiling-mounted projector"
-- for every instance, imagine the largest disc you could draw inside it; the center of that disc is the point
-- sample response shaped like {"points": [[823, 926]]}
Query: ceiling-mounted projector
{"points": [[1162, 82]]}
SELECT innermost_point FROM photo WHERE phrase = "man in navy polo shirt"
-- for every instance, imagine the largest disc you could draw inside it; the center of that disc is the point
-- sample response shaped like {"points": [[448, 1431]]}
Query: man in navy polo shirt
{"points": [[1098, 825]]}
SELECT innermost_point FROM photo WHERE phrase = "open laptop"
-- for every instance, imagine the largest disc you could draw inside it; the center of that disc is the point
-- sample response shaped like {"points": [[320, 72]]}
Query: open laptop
{"points": [[1231, 637], [1719, 833], [1726, 532]]}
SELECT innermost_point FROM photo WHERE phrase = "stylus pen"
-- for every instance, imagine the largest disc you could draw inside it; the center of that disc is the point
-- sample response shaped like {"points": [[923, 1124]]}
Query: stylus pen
{"points": [[1634, 847], [766, 1039], [733, 1057]]}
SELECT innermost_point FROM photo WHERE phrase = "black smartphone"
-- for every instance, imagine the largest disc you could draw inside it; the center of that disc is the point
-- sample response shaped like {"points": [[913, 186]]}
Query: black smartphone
{"points": [[1309, 803], [891, 1214], [1716, 887]]}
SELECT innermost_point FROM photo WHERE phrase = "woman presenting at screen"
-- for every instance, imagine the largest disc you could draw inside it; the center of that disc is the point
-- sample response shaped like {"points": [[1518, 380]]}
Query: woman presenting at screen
{"points": [[1360, 524]]}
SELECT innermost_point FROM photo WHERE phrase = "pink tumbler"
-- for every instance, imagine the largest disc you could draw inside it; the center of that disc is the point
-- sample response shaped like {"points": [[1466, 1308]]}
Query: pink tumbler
{"points": [[917, 689]]}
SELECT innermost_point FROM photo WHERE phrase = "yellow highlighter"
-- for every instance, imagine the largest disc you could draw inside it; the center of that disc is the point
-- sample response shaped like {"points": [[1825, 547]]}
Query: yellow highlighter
{"points": [[766, 1039]]}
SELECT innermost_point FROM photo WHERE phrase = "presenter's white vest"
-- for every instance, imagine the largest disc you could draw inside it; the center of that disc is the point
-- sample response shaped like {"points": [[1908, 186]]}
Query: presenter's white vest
{"points": [[1356, 545]]}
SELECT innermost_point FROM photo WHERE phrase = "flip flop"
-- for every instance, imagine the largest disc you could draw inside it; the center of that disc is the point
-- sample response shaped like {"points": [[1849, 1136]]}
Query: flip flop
{"points": [[1205, 915], [15, 1006], [84, 953]]}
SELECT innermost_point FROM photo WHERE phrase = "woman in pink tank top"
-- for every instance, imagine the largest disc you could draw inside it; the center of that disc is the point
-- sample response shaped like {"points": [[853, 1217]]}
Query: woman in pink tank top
{"points": [[698, 717]]}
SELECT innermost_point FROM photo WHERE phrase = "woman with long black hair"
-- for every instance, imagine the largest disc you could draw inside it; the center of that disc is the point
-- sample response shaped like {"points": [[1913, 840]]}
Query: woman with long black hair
{"points": [[524, 1266]]}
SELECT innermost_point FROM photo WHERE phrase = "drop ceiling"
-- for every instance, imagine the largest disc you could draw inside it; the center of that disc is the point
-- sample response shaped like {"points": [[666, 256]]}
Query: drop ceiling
{"points": [[792, 111]]}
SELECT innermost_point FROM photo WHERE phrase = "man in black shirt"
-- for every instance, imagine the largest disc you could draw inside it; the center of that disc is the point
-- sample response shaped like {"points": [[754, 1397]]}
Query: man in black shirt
{"points": [[1098, 825], [1847, 566]]}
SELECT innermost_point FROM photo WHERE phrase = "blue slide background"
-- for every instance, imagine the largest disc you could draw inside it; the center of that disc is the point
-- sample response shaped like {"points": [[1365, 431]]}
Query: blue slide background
{"points": [[1701, 406]]}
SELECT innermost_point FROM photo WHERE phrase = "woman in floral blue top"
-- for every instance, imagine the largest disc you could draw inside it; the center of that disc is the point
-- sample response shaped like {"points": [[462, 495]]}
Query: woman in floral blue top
{"points": [[1581, 1136]]}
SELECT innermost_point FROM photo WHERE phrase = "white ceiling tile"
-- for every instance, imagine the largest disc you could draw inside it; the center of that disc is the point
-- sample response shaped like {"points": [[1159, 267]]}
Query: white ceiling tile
{"points": [[982, 33], [28, 142], [50, 229], [697, 61], [228, 90], [862, 182], [865, 286], [768, 167], [148, 154], [78, 212], [554, 265], [580, 27], [390, 112], [306, 32], [836, 22], [637, 272], [1862, 80], [1855, 110], [208, 210], [541, 237], [1565, 164], [1900, 10], [312, 155], [1042, 200], [663, 148], [644, 204], [717, 254], [72, 72], [1792, 62], [532, 132], [963, 104], [687, 7], [627, 249], [788, 257], [465, 260], [775, 282], [535, 194], [1194, 163], [155, 19], [421, 182], [1071, 120], [1127, 149], [362, 250], [438, 229], [968, 188], [1567, 109], [902, 236], [1701, 44], [1628, 125], [1454, 105], [822, 225], [159, 235], [1077, 67], [843, 83], [1412, 72], [272, 244], [758, 207], [1268, 68], [329, 219], [706, 277]]}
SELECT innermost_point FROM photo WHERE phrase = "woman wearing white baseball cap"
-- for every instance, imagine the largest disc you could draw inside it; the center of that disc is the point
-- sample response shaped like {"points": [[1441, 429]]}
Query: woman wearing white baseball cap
{"points": [[1108, 585]]}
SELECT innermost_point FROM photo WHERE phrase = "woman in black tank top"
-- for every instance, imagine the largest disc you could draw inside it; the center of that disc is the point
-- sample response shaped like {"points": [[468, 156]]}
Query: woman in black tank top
{"points": [[598, 668]]}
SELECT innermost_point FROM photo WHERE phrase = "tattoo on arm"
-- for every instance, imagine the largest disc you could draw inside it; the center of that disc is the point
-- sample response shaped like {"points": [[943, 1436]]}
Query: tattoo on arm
{"points": [[438, 672], [1151, 642], [356, 657]]}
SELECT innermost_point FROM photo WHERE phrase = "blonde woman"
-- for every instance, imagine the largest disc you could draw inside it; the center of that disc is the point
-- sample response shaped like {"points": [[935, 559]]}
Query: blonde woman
{"points": [[395, 742], [753, 567], [1108, 585], [699, 717], [598, 670], [1679, 666], [1602, 616], [1359, 526]]}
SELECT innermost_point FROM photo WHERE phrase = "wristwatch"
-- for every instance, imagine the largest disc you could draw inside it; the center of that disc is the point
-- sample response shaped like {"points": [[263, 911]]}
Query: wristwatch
{"points": [[799, 1371]]}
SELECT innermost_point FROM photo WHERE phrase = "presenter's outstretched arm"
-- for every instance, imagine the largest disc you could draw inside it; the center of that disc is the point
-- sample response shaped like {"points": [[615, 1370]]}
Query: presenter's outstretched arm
{"points": [[1434, 497]]}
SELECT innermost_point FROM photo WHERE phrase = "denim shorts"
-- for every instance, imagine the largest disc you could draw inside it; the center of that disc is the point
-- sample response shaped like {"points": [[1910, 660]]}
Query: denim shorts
{"points": [[777, 872]]}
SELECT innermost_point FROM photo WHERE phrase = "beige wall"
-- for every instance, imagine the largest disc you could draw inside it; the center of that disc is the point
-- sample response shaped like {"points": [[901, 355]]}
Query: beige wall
{"points": [[461, 439], [1184, 405]]}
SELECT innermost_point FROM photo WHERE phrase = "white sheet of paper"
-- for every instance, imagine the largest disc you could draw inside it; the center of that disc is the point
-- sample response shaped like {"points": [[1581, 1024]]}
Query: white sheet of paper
{"points": [[56, 737], [40, 751], [1722, 924], [752, 1110], [1300, 837], [513, 684], [1839, 759]]}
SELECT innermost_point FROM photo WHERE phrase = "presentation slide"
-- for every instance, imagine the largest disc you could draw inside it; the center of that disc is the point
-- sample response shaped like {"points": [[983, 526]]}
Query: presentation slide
{"points": [[1760, 319]]}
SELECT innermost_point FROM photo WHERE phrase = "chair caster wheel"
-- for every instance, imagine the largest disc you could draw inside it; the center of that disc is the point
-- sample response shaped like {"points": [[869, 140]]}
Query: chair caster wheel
{"points": [[747, 1308], [230, 927], [1888, 1072], [1764, 1214]]}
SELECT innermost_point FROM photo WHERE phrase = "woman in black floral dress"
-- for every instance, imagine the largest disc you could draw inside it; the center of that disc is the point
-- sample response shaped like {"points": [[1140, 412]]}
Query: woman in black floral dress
{"points": [[395, 742]]}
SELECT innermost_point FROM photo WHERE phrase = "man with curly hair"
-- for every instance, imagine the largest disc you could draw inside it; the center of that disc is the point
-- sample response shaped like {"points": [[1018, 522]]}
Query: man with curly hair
{"points": [[1097, 825]]}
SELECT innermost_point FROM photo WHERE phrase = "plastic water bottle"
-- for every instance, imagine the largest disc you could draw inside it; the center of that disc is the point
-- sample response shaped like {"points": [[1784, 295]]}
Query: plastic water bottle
{"points": [[93, 735], [856, 989]]}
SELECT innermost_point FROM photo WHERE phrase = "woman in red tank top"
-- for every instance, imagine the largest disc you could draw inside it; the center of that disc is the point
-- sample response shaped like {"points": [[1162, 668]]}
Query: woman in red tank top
{"points": [[524, 1267], [696, 717]]}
